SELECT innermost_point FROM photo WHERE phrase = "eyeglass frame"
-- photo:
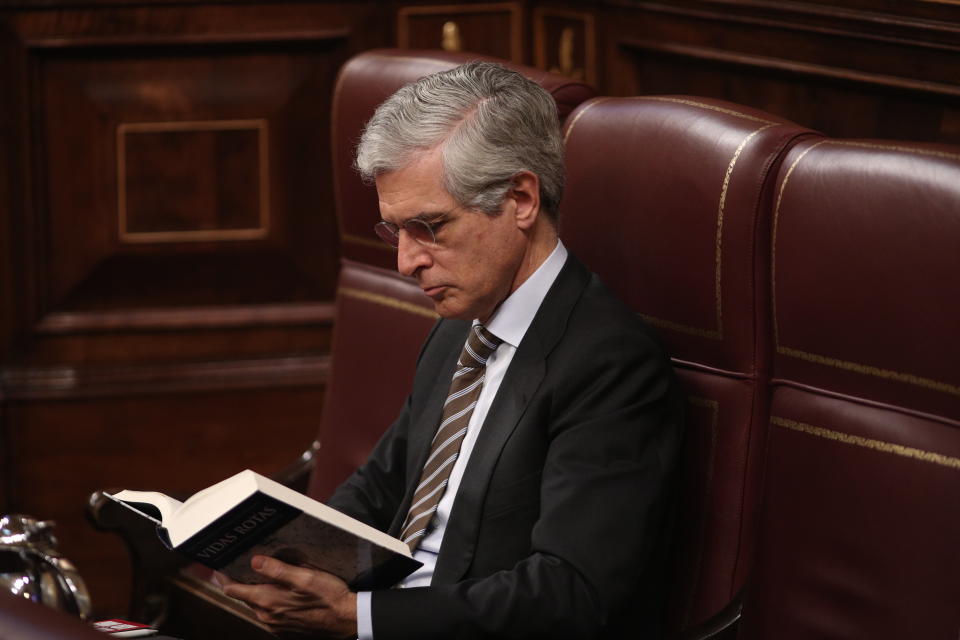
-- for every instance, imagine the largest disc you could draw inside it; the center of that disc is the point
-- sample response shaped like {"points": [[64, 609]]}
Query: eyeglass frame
{"points": [[389, 232]]}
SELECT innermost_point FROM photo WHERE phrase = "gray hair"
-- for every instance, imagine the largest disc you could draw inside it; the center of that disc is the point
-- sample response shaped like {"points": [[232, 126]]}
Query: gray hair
{"points": [[492, 123]]}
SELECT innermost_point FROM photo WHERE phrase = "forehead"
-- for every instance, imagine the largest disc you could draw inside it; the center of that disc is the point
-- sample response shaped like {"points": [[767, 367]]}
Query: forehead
{"points": [[414, 190]]}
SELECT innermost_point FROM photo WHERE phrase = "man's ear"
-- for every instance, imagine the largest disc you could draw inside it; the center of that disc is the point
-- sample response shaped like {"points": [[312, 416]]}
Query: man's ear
{"points": [[525, 192]]}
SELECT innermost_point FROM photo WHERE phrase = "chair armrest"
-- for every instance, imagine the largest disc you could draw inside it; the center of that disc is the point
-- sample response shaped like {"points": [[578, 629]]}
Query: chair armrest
{"points": [[152, 561], [720, 626], [297, 474]]}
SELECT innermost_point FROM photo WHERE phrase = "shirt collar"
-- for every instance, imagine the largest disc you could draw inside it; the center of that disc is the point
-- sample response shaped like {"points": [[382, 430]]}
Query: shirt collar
{"points": [[512, 319]]}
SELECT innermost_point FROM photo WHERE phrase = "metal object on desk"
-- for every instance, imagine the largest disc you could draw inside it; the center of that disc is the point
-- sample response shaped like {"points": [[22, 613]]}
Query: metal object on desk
{"points": [[32, 567]]}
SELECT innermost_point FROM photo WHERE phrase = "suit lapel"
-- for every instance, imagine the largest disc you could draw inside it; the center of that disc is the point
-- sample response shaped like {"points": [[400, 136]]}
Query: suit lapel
{"points": [[521, 382]]}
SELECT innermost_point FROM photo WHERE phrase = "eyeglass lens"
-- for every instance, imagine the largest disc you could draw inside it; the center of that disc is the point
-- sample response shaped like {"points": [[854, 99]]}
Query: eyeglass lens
{"points": [[419, 230]]}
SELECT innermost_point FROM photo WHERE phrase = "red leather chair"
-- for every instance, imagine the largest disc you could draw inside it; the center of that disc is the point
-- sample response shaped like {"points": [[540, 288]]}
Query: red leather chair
{"points": [[860, 524], [668, 200]]}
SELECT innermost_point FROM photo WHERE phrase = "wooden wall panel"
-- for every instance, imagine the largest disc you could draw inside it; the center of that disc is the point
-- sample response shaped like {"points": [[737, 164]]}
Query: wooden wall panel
{"points": [[134, 184], [844, 72], [172, 442], [169, 247]]}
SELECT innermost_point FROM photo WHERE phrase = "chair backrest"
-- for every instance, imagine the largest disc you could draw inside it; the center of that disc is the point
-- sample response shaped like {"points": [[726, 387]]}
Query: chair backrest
{"points": [[860, 523], [381, 318], [668, 200]]}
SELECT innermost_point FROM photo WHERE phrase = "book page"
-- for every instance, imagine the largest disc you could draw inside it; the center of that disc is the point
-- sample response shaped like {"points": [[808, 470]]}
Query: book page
{"points": [[164, 504]]}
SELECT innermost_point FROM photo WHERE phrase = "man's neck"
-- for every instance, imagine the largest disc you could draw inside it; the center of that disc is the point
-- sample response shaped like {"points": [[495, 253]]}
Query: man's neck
{"points": [[542, 243]]}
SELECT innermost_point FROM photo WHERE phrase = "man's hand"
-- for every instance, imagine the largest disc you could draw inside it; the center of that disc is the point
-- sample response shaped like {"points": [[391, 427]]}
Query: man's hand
{"points": [[298, 599]]}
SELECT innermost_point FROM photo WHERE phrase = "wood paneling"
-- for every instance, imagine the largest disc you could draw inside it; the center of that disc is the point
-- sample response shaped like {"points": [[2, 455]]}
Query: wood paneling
{"points": [[846, 72], [192, 181], [176, 146], [175, 442], [168, 248]]}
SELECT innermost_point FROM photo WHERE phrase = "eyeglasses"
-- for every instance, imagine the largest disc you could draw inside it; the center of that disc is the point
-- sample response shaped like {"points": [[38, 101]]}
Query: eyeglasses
{"points": [[420, 230]]}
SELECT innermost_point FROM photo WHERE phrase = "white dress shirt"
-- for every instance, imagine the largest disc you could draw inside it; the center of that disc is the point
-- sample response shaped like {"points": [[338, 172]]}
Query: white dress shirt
{"points": [[509, 323]]}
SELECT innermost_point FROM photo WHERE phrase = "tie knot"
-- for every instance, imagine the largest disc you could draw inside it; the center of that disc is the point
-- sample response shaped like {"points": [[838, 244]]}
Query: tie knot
{"points": [[480, 344]]}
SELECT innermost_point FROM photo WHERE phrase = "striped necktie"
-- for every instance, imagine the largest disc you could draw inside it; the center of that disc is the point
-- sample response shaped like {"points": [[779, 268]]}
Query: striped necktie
{"points": [[445, 448]]}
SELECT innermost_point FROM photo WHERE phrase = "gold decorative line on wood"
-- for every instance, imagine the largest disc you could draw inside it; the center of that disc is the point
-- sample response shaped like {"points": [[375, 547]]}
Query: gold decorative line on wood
{"points": [[713, 334], [877, 372], [259, 125], [869, 443], [714, 407], [388, 301], [516, 43]]}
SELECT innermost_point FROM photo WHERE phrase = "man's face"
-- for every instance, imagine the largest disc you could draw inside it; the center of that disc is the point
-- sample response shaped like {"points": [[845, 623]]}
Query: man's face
{"points": [[475, 263]]}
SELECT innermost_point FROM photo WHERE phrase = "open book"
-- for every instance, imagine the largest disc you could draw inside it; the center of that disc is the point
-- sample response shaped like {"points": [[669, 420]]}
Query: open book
{"points": [[226, 524]]}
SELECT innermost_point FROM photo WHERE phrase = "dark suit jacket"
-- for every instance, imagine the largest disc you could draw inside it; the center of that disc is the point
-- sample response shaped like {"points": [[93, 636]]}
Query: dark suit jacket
{"points": [[557, 528]]}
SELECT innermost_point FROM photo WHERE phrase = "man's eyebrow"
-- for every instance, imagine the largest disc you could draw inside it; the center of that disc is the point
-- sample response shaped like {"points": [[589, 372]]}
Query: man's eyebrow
{"points": [[427, 216]]}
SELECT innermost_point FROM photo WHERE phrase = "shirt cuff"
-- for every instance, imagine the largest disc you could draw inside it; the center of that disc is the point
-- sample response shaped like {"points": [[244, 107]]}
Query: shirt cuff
{"points": [[364, 616]]}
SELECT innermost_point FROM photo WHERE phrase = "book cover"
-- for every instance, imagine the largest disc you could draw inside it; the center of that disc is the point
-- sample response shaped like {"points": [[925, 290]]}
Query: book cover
{"points": [[224, 526]]}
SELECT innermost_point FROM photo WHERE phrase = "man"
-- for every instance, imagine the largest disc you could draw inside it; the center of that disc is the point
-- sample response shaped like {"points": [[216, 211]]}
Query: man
{"points": [[539, 506]]}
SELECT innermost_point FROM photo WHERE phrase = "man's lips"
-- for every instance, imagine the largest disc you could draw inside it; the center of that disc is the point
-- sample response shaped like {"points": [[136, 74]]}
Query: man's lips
{"points": [[433, 292]]}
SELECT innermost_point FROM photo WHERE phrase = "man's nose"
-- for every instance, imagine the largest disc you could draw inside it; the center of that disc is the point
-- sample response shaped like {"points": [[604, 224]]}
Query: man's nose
{"points": [[411, 255]]}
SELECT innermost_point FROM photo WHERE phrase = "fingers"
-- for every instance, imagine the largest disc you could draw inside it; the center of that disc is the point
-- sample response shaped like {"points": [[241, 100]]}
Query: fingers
{"points": [[297, 598], [279, 571], [221, 580]]}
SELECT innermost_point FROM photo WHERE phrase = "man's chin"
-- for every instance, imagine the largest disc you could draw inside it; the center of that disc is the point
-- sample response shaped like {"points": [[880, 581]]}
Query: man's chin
{"points": [[448, 310]]}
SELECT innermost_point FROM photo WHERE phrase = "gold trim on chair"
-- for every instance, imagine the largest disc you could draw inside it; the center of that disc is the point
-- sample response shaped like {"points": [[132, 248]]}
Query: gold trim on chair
{"points": [[869, 443], [717, 333], [388, 301], [709, 107]]}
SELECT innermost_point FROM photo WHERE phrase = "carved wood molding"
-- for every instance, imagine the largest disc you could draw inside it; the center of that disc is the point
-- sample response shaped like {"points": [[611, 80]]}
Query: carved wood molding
{"points": [[781, 65], [127, 217], [320, 313], [816, 18], [181, 39], [70, 382]]}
